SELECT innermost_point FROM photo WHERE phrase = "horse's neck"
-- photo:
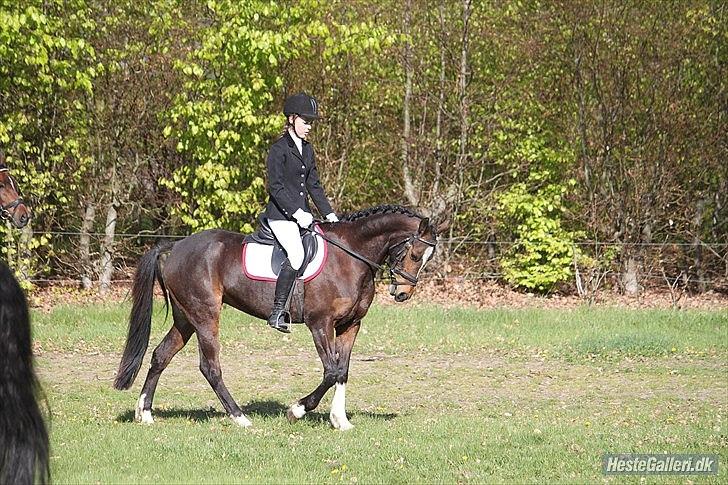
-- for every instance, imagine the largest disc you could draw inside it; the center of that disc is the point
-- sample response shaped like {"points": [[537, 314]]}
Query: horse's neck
{"points": [[373, 237]]}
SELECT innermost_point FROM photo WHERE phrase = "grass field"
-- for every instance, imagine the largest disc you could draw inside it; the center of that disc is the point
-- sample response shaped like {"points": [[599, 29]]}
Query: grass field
{"points": [[436, 396]]}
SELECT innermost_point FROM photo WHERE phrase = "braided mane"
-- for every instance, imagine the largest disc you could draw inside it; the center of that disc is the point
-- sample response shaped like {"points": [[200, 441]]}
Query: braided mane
{"points": [[381, 209]]}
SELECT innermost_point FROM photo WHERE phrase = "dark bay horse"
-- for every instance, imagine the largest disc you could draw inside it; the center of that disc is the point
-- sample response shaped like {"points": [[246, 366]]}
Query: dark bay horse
{"points": [[203, 271], [12, 206], [23, 435]]}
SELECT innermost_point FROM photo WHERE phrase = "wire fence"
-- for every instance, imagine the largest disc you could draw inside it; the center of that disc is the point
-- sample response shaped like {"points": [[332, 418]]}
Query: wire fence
{"points": [[663, 264], [441, 240]]}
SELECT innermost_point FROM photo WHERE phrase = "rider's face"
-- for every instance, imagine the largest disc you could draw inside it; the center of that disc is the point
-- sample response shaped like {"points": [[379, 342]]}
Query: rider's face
{"points": [[301, 126]]}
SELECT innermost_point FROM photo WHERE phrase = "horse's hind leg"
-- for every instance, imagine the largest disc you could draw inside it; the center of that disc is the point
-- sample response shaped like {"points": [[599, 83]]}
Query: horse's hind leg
{"points": [[172, 343], [210, 367]]}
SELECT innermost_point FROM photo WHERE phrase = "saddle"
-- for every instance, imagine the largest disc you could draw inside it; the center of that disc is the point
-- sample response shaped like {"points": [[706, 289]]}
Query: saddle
{"points": [[263, 255]]}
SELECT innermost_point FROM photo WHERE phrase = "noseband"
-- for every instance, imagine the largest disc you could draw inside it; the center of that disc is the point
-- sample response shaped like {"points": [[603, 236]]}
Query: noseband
{"points": [[5, 209]]}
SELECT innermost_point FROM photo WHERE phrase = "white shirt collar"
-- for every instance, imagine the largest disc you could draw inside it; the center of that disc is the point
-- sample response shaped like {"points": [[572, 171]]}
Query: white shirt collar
{"points": [[296, 140]]}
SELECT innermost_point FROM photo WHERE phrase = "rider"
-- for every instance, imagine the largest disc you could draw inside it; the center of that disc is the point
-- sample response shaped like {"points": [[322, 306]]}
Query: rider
{"points": [[292, 176]]}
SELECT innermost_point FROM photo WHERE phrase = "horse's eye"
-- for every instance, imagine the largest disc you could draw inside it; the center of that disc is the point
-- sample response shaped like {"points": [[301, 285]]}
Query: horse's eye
{"points": [[415, 258]]}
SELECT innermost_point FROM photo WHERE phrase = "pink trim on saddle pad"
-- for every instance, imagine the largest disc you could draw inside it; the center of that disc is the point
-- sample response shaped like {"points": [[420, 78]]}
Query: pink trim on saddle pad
{"points": [[310, 273]]}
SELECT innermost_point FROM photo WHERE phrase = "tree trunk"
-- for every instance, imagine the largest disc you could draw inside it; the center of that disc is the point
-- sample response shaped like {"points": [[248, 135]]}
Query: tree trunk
{"points": [[438, 204], [630, 277], [23, 267], [85, 245], [698, 246], [456, 189], [409, 186], [106, 266]]}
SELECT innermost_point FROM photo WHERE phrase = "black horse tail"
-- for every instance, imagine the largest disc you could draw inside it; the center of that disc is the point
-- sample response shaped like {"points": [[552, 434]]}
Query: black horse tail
{"points": [[23, 435], [140, 320]]}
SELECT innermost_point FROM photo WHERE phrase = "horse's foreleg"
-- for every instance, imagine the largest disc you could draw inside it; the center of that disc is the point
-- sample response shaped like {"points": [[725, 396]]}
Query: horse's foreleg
{"points": [[172, 343], [344, 343], [210, 367], [325, 341]]}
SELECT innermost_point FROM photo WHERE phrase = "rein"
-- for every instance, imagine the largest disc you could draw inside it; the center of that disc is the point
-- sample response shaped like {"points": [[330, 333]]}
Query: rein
{"points": [[347, 250], [393, 270]]}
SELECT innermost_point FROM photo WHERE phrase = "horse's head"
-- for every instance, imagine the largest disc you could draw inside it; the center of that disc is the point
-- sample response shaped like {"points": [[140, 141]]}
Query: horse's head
{"points": [[11, 205], [408, 258]]}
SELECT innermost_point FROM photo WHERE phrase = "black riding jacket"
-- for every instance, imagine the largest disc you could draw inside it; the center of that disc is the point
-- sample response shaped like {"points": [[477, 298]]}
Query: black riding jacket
{"points": [[291, 178]]}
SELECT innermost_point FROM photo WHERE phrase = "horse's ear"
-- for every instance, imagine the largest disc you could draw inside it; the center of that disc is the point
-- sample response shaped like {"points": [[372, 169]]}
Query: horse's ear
{"points": [[424, 224], [443, 226]]}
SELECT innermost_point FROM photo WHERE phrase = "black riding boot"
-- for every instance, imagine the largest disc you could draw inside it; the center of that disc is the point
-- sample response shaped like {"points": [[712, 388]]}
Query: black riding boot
{"points": [[280, 318]]}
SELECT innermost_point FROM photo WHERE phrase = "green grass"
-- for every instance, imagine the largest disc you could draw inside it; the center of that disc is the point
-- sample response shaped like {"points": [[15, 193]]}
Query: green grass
{"points": [[436, 396], [581, 333]]}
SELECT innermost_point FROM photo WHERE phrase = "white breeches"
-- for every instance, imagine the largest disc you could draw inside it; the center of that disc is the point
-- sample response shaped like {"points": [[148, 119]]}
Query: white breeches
{"points": [[287, 233]]}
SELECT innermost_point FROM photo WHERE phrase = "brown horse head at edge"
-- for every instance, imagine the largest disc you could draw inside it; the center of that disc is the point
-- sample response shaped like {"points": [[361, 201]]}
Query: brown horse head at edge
{"points": [[12, 206]]}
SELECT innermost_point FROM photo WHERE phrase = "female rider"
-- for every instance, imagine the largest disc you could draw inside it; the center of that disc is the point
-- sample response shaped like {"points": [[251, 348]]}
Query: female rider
{"points": [[292, 177]]}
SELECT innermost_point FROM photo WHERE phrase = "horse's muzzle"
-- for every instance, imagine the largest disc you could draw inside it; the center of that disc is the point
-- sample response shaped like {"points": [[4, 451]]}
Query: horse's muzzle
{"points": [[399, 296], [17, 213]]}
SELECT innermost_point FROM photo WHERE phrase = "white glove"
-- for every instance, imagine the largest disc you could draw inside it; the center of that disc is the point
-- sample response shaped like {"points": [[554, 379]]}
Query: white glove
{"points": [[303, 218], [332, 218]]}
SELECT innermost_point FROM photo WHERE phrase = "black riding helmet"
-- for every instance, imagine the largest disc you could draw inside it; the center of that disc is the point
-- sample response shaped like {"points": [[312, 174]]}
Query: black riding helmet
{"points": [[303, 105]]}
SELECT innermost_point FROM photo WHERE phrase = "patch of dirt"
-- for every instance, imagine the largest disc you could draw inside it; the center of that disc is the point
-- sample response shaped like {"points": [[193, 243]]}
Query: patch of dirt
{"points": [[437, 382]]}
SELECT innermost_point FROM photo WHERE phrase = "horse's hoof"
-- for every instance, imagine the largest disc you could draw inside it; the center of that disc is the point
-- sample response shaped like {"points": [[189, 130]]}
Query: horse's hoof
{"points": [[143, 416], [295, 413], [140, 414], [241, 421], [340, 424]]}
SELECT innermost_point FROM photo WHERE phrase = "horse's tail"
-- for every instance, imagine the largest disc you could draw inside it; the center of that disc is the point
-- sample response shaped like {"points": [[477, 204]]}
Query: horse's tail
{"points": [[23, 434], [140, 320]]}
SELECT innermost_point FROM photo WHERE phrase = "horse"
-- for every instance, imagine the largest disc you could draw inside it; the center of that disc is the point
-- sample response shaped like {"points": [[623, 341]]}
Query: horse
{"points": [[12, 206], [201, 272], [23, 436]]}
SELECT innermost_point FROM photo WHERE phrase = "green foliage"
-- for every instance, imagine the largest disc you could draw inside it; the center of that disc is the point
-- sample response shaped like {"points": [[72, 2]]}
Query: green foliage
{"points": [[532, 210], [168, 107], [544, 251], [224, 118], [46, 72]]}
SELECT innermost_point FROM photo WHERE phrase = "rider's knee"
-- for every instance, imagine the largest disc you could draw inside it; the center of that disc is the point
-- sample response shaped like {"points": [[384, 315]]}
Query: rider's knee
{"points": [[295, 257]]}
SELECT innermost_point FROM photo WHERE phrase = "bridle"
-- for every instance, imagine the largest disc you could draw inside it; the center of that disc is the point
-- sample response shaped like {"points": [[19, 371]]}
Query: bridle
{"points": [[5, 210], [396, 259]]}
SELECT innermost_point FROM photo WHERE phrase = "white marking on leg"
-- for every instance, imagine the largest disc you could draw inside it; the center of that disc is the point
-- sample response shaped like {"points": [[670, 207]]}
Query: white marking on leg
{"points": [[298, 410], [142, 415], [241, 421], [338, 409]]}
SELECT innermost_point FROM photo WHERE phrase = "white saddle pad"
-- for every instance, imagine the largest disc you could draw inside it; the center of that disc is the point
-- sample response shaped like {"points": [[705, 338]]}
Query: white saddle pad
{"points": [[256, 261]]}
